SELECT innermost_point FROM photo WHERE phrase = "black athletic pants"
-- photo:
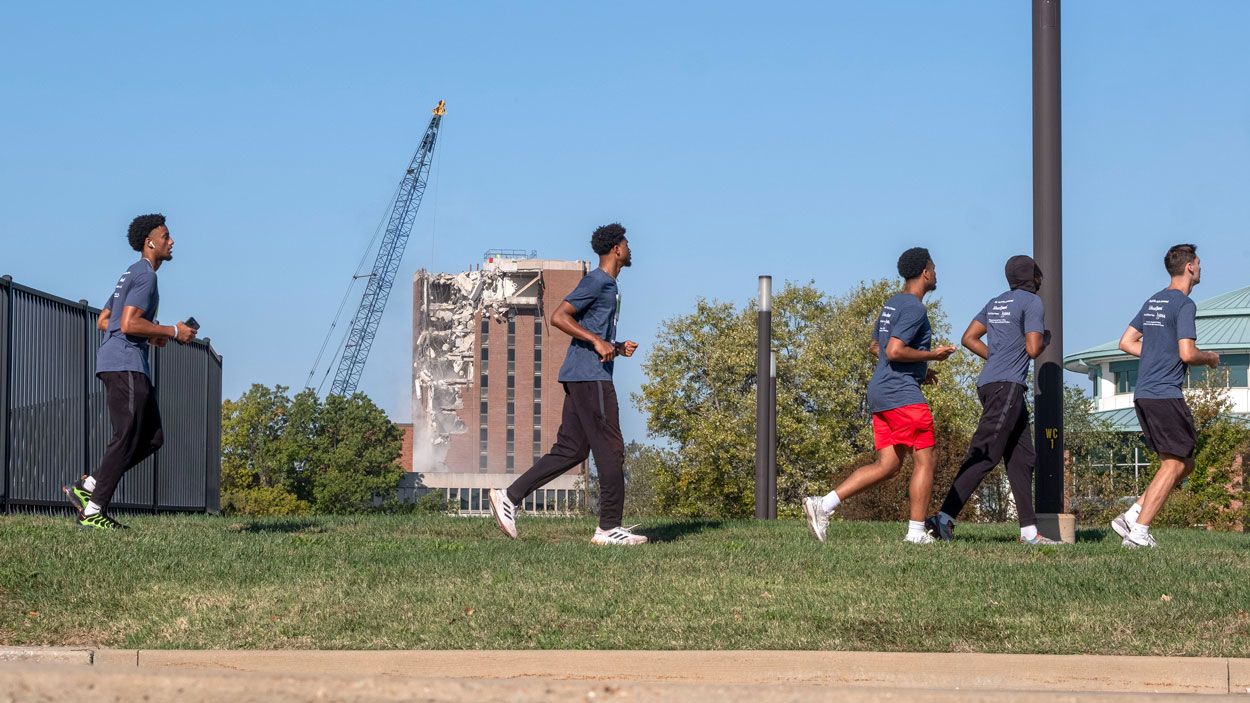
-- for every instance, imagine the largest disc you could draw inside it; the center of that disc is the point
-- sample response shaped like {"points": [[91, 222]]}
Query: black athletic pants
{"points": [[589, 423], [1002, 433], [137, 429]]}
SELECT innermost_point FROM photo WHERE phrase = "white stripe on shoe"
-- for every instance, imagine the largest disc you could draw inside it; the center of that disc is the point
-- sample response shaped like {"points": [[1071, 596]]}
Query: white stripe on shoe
{"points": [[618, 536]]}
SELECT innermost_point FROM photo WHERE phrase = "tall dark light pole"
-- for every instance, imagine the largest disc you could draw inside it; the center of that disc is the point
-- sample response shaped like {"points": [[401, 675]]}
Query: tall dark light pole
{"points": [[1048, 252], [764, 443]]}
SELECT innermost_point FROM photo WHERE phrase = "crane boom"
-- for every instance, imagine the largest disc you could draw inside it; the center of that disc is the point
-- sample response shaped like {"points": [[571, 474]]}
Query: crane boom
{"points": [[365, 324]]}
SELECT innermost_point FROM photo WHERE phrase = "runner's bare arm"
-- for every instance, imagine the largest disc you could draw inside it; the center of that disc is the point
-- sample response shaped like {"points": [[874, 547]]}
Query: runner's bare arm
{"points": [[1034, 343], [102, 322], [1130, 341], [1192, 355], [897, 351], [972, 339], [133, 324]]}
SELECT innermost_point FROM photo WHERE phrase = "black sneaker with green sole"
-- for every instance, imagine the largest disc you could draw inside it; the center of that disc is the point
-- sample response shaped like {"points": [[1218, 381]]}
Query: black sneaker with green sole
{"points": [[100, 521], [77, 494]]}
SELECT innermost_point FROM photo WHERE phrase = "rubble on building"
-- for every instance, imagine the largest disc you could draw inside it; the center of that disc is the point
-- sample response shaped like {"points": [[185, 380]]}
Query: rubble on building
{"points": [[443, 352]]}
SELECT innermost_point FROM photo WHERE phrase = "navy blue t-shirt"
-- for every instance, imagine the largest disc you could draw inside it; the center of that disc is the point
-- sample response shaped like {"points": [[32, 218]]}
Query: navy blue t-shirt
{"points": [[1007, 318], [895, 384], [1165, 319], [123, 352], [597, 306]]}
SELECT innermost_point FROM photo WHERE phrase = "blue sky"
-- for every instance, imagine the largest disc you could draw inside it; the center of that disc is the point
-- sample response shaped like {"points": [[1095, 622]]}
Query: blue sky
{"points": [[809, 141]]}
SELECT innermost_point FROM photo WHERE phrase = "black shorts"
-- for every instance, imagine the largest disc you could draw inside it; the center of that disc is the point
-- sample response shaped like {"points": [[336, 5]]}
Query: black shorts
{"points": [[1167, 425]]}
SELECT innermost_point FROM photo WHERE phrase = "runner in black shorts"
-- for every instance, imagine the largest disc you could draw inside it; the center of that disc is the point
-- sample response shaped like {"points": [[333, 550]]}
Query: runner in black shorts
{"points": [[1163, 334]]}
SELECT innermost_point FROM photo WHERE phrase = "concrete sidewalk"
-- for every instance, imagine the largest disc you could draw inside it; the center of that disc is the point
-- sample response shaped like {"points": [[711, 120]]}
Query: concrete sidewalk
{"points": [[803, 669], [52, 684]]}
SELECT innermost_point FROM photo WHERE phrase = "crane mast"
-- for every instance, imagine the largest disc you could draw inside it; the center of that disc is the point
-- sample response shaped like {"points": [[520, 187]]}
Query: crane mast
{"points": [[365, 323]]}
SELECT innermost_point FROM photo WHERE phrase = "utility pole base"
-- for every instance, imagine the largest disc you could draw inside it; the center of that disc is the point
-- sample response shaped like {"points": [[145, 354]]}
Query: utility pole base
{"points": [[1057, 526]]}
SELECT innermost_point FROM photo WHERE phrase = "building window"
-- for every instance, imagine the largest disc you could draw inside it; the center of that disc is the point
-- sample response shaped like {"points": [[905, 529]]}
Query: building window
{"points": [[485, 326], [481, 463], [511, 467], [475, 499], [538, 352], [511, 434], [511, 354], [484, 383], [1125, 376], [485, 353], [538, 381], [483, 411], [538, 330], [538, 393], [511, 381]]}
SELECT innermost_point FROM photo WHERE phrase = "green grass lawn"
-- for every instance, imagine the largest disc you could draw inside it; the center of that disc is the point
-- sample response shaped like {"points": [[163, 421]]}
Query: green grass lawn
{"points": [[400, 582]]}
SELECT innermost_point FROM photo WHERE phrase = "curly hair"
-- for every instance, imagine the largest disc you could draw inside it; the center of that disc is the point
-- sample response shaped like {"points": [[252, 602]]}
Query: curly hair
{"points": [[141, 227], [913, 262], [1178, 257], [607, 237]]}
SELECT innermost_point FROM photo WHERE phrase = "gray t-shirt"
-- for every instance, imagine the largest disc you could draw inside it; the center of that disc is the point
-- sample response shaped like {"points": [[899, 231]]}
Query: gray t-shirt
{"points": [[1165, 319], [597, 306], [895, 384], [123, 352], [1007, 318]]}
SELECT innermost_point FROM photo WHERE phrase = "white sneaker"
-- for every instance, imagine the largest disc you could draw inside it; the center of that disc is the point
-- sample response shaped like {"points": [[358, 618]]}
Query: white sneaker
{"points": [[504, 511], [922, 538], [1120, 525], [618, 535], [1132, 542], [817, 518]]}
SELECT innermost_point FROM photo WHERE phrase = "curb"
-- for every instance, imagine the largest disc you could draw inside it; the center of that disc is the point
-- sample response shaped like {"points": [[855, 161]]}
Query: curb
{"points": [[47, 655]]}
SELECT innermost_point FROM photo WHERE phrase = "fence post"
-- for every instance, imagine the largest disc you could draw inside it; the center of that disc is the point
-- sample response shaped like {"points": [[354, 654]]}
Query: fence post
{"points": [[86, 386], [156, 459], [8, 390], [208, 419]]}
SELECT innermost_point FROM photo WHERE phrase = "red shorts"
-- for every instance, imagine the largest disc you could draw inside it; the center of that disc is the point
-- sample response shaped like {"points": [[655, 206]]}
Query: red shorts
{"points": [[910, 425]]}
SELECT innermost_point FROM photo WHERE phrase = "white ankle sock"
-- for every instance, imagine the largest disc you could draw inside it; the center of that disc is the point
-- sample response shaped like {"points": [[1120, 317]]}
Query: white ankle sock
{"points": [[89, 483], [1029, 532], [946, 519], [1137, 529], [92, 508], [914, 528], [831, 502], [1132, 513]]}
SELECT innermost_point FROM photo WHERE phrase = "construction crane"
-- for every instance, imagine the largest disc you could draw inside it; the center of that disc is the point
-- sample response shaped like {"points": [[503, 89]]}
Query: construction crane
{"points": [[386, 266]]}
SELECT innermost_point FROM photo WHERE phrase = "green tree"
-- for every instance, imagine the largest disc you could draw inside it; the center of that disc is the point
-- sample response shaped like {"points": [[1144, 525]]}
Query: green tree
{"points": [[283, 455], [354, 453], [256, 475], [700, 397]]}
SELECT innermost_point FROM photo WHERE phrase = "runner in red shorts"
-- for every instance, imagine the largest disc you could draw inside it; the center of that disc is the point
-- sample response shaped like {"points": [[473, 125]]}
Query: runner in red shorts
{"points": [[901, 422]]}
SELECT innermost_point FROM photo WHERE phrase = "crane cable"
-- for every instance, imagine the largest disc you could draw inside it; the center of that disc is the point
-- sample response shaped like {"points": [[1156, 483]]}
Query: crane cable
{"points": [[338, 315]]}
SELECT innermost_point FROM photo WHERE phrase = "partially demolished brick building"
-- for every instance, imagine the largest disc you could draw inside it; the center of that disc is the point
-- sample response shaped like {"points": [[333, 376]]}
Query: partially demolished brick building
{"points": [[485, 358]]}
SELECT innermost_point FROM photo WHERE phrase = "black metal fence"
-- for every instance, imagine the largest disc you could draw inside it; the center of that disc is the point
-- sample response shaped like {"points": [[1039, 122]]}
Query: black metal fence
{"points": [[54, 418]]}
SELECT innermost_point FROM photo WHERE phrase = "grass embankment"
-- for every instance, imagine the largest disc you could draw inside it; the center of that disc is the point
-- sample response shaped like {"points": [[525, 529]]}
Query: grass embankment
{"points": [[398, 582]]}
